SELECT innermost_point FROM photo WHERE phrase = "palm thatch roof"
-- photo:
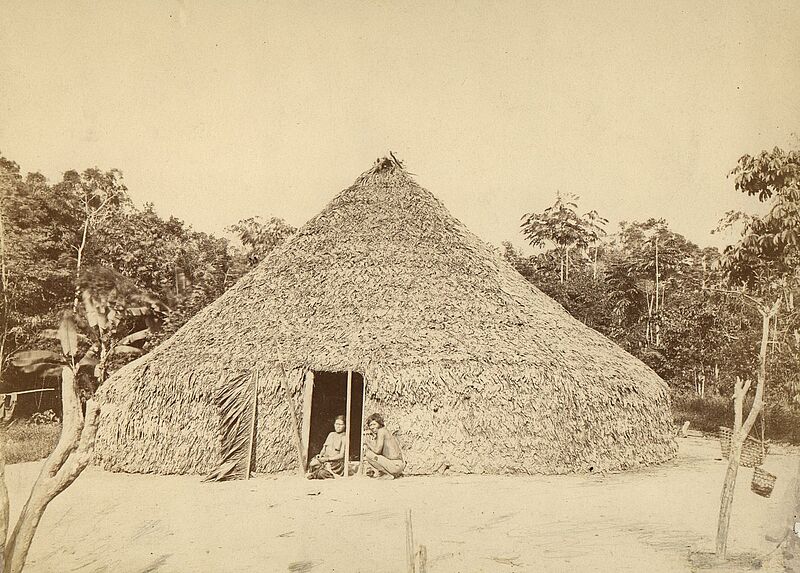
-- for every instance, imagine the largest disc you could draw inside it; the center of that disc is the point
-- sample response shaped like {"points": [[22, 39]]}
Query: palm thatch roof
{"points": [[477, 369]]}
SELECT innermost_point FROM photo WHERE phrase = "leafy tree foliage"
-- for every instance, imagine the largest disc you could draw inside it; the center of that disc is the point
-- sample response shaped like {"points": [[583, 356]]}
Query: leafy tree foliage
{"points": [[648, 290], [260, 237], [35, 249], [83, 235], [764, 265], [561, 225]]}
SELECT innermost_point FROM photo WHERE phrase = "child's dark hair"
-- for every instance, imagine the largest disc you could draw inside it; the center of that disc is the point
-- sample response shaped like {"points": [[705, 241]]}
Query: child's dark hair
{"points": [[376, 418], [340, 417]]}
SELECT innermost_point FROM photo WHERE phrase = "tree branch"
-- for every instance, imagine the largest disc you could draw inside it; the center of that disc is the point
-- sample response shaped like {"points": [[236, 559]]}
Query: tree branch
{"points": [[70, 459], [758, 303], [82, 455], [72, 423], [758, 401]]}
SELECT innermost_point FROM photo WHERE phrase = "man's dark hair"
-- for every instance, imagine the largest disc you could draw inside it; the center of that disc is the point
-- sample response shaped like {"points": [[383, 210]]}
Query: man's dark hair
{"points": [[376, 418]]}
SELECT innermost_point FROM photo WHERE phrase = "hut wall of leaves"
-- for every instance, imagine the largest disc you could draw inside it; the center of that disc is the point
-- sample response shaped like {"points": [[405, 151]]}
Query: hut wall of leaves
{"points": [[476, 369]]}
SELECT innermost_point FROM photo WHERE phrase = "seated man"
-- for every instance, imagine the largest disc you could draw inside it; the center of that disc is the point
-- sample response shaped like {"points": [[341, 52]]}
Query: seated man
{"points": [[329, 462], [382, 451]]}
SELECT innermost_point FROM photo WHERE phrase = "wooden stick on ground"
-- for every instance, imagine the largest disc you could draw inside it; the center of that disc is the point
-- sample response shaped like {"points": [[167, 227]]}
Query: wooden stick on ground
{"points": [[409, 543], [422, 561]]}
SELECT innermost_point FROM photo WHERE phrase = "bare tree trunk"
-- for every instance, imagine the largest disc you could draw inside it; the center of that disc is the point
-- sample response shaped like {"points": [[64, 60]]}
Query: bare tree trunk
{"points": [[649, 331], [726, 501], [657, 276], [69, 458], [105, 354], [742, 429], [4, 507], [78, 265], [4, 285], [656, 306]]}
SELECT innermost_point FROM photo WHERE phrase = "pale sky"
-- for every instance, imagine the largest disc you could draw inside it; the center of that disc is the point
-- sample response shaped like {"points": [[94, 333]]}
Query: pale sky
{"points": [[217, 111]]}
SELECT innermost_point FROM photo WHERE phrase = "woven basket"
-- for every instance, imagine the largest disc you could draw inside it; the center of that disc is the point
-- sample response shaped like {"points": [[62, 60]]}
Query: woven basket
{"points": [[753, 451], [763, 482], [725, 435]]}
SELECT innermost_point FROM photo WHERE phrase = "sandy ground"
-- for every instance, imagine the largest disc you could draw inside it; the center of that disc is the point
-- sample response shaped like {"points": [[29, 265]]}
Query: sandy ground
{"points": [[660, 519]]}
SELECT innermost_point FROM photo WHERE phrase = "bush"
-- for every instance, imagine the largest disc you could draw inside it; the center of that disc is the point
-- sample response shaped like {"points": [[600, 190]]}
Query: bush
{"points": [[29, 442], [707, 414]]}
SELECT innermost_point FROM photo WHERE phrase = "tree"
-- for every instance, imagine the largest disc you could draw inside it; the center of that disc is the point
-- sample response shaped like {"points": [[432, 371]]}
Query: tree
{"points": [[763, 270], [119, 316], [36, 229], [51, 234], [260, 237], [653, 256], [561, 225], [69, 458], [97, 193], [9, 173]]}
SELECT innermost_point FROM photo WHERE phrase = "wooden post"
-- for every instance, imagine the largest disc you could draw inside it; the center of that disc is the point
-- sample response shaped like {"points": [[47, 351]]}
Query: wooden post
{"points": [[308, 397], [251, 446], [347, 423], [361, 469], [301, 469]]}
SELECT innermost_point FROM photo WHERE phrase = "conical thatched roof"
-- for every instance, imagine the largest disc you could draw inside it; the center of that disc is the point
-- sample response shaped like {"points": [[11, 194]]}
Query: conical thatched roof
{"points": [[476, 368]]}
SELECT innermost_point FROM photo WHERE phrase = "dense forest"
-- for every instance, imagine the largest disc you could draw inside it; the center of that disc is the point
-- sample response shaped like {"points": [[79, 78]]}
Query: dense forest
{"points": [[127, 276], [130, 278]]}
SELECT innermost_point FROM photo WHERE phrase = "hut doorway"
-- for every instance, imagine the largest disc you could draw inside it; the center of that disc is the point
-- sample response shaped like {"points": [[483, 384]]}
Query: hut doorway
{"points": [[325, 398]]}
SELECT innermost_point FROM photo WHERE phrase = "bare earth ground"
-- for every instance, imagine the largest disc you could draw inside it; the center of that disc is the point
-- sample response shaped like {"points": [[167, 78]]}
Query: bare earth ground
{"points": [[659, 519]]}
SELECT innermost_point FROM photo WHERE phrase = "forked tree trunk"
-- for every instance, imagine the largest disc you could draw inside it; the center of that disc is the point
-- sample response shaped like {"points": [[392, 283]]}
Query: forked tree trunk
{"points": [[3, 500], [69, 458], [728, 489], [741, 431]]}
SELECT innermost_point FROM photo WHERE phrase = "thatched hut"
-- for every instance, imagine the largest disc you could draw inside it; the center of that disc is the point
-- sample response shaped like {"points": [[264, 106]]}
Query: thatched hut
{"points": [[476, 369]]}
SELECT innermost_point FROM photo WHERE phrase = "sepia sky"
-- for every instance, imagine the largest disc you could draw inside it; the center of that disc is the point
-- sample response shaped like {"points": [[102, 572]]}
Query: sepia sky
{"points": [[217, 111]]}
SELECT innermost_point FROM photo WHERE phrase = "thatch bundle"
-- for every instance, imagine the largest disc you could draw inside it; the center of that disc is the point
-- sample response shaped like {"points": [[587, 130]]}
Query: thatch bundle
{"points": [[477, 369]]}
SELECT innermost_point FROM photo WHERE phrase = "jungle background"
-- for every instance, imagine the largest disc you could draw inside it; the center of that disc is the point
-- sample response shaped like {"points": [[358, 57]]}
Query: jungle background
{"points": [[131, 278]]}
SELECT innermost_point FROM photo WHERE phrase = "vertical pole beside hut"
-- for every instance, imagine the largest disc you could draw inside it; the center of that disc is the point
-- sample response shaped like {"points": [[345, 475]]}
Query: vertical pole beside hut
{"points": [[347, 423]]}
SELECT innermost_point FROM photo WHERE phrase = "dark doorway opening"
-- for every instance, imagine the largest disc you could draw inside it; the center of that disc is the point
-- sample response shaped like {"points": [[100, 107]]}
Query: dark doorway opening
{"points": [[328, 400]]}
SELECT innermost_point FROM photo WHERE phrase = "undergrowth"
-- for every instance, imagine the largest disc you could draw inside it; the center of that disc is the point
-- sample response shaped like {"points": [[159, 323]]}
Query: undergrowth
{"points": [[708, 413], [28, 441]]}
